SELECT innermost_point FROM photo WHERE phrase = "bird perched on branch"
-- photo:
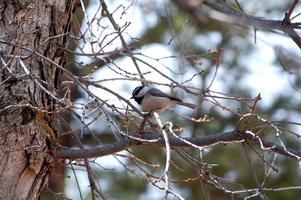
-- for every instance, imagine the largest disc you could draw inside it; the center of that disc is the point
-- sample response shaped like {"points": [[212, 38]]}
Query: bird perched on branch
{"points": [[152, 99]]}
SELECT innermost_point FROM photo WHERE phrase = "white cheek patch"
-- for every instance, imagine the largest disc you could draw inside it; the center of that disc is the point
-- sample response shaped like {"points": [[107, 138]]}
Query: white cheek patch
{"points": [[142, 92]]}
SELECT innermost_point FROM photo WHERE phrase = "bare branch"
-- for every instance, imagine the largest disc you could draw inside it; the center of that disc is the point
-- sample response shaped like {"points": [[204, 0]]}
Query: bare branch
{"points": [[124, 44], [158, 140], [225, 14], [288, 14]]}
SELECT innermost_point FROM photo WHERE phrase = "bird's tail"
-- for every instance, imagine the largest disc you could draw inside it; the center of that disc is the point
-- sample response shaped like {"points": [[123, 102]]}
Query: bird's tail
{"points": [[189, 105]]}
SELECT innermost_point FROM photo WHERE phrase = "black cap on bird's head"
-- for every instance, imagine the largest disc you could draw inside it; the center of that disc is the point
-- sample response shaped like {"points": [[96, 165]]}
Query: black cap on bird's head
{"points": [[136, 91]]}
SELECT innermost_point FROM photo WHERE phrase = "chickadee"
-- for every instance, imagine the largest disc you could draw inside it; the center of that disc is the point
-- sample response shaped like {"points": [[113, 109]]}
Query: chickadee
{"points": [[152, 99]]}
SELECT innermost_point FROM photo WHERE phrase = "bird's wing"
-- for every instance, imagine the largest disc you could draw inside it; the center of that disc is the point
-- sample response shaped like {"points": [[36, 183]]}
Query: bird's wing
{"points": [[159, 93]]}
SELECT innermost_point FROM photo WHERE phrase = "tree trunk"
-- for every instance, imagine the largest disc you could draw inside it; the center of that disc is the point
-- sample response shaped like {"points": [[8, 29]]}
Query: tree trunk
{"points": [[27, 86]]}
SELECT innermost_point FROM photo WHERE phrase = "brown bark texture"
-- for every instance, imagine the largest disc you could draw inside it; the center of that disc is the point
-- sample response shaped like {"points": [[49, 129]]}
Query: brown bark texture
{"points": [[28, 29]]}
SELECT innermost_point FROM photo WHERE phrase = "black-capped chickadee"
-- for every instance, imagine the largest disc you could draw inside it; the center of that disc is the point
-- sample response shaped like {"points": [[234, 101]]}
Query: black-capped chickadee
{"points": [[152, 99]]}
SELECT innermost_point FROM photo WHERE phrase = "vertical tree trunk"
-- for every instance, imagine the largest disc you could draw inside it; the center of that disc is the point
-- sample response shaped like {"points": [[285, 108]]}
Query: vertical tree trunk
{"points": [[26, 128]]}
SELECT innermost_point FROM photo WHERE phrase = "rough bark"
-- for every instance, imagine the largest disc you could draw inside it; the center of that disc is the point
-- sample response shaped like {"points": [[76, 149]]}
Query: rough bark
{"points": [[26, 128]]}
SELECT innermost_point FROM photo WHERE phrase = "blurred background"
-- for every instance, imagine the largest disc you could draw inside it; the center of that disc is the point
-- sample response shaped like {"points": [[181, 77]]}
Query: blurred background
{"points": [[230, 64]]}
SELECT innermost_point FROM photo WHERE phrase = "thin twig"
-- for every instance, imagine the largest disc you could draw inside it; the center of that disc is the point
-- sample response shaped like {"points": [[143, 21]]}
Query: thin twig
{"points": [[125, 46], [167, 148]]}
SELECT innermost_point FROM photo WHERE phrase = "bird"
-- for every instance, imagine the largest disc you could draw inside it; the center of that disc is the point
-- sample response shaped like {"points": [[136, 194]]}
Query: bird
{"points": [[154, 100]]}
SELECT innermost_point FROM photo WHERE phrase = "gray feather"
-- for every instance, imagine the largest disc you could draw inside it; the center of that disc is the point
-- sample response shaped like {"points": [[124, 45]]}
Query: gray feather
{"points": [[158, 93]]}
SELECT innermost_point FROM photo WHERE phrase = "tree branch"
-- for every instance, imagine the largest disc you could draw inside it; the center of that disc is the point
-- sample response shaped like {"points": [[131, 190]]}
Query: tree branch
{"points": [[158, 140], [225, 14]]}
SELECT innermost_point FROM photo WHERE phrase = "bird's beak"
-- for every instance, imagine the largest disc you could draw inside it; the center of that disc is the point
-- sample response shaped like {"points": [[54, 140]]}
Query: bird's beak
{"points": [[132, 97]]}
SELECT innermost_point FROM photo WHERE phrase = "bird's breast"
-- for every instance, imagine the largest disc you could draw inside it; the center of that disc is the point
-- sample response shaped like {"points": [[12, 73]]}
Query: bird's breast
{"points": [[153, 103]]}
